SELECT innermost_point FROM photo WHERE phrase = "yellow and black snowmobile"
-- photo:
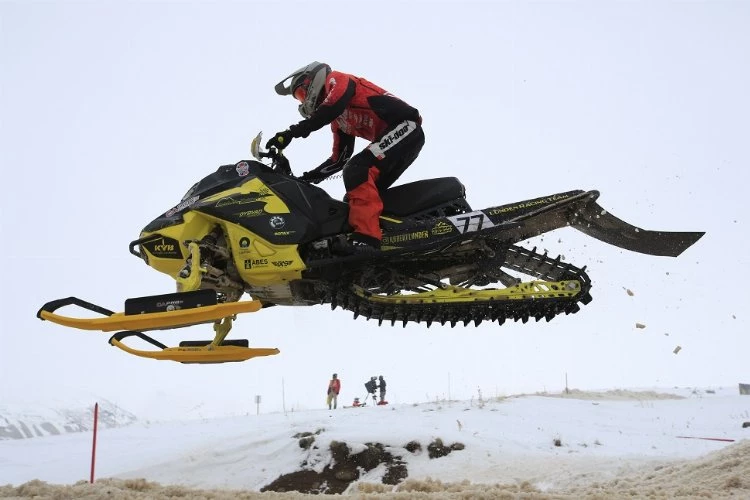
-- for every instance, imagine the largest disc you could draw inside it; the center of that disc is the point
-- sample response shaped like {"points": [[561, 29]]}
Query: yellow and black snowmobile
{"points": [[254, 229]]}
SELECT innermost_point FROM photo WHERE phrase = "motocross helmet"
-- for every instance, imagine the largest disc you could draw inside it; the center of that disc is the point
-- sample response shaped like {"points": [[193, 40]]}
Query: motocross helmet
{"points": [[307, 85]]}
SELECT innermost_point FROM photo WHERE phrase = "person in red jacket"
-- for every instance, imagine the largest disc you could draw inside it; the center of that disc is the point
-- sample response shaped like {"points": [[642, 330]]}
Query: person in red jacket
{"points": [[334, 387], [354, 107]]}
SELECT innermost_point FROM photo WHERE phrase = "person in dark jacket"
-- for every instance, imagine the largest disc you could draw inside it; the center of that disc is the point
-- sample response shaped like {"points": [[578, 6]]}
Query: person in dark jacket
{"points": [[354, 107], [381, 385], [371, 385]]}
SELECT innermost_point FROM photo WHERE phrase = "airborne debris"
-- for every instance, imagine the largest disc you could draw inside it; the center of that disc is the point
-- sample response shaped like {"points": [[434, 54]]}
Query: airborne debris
{"points": [[629, 292], [677, 349], [640, 325]]}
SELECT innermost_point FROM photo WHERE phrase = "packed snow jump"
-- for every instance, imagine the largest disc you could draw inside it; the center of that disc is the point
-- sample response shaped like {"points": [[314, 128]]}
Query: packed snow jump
{"points": [[255, 228]]}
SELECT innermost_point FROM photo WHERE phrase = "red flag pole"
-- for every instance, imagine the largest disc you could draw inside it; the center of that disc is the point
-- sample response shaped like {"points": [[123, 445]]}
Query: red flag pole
{"points": [[93, 446]]}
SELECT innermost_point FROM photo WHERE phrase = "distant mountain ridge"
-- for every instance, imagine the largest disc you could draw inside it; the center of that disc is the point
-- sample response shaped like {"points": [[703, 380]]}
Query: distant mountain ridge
{"points": [[26, 422]]}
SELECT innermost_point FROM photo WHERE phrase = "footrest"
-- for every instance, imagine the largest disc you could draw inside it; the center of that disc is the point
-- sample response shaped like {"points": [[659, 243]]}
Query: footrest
{"points": [[194, 351], [201, 343]]}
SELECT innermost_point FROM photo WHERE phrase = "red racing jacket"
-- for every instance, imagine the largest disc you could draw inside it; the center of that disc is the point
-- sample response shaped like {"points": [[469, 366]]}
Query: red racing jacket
{"points": [[334, 386], [354, 107]]}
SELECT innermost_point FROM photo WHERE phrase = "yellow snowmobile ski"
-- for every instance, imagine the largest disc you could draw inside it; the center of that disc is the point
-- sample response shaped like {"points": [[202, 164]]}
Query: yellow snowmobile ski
{"points": [[162, 312]]}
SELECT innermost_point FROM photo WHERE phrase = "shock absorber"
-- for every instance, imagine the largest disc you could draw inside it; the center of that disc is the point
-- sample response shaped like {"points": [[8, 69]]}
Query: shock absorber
{"points": [[212, 237], [207, 246]]}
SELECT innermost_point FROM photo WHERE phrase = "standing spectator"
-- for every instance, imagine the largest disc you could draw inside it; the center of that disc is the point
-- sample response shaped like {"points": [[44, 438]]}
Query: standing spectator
{"points": [[381, 382], [371, 385], [334, 387]]}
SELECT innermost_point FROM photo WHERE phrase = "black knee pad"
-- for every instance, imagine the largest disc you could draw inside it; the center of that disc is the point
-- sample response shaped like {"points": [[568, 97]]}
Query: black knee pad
{"points": [[357, 169]]}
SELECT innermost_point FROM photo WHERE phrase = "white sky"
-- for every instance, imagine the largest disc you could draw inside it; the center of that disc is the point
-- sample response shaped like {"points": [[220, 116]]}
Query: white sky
{"points": [[110, 112], [506, 442]]}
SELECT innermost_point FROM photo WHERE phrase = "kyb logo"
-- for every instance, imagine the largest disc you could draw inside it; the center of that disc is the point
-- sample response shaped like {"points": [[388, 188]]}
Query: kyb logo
{"points": [[164, 248]]}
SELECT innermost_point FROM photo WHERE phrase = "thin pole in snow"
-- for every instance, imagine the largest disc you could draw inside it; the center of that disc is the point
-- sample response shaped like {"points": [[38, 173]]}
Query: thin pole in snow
{"points": [[708, 438], [283, 400], [93, 446]]}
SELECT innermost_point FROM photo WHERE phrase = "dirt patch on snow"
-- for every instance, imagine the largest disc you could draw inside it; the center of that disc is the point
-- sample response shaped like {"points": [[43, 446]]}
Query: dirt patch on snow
{"points": [[344, 468], [720, 475]]}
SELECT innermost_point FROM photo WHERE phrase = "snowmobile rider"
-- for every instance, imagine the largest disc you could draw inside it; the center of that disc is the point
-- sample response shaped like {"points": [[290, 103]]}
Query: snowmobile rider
{"points": [[354, 107], [334, 387]]}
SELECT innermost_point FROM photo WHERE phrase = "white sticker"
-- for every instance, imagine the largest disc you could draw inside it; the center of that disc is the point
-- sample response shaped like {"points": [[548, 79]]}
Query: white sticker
{"points": [[471, 222], [277, 222], [181, 206]]}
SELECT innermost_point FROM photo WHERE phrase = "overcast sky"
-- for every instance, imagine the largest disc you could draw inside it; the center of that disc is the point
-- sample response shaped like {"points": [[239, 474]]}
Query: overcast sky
{"points": [[109, 112]]}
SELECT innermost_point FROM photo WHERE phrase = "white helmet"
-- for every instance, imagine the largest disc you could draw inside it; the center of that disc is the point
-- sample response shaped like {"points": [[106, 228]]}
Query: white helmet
{"points": [[306, 85]]}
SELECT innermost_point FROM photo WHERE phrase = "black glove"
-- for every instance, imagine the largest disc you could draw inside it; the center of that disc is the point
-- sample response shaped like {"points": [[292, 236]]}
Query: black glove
{"points": [[280, 140], [314, 176], [325, 170]]}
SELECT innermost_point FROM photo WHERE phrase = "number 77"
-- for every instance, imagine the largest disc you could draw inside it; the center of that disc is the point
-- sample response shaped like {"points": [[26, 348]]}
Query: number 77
{"points": [[468, 225]]}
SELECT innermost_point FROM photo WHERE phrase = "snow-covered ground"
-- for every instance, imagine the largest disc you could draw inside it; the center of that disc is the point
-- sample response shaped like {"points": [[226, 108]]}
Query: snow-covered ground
{"points": [[538, 444]]}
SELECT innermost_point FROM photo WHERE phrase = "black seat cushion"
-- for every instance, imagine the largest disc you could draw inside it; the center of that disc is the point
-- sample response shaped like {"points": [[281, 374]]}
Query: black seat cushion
{"points": [[418, 196]]}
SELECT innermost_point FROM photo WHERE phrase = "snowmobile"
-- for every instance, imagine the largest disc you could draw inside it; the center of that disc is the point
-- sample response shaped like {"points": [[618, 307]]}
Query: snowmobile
{"points": [[254, 228]]}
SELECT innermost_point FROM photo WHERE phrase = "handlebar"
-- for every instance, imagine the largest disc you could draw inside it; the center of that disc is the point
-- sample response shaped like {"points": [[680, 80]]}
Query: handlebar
{"points": [[279, 162]]}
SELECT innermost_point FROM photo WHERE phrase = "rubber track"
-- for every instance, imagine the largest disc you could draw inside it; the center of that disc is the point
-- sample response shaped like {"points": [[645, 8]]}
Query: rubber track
{"points": [[518, 259]]}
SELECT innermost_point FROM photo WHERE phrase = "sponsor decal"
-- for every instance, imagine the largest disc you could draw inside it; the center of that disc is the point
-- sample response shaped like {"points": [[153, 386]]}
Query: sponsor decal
{"points": [[283, 233], [242, 199], [282, 263], [251, 263], [277, 222], [390, 140], [471, 222], [243, 169], [526, 204], [402, 238], [180, 207], [331, 85], [250, 213], [350, 121], [441, 228], [244, 242], [170, 305], [164, 248]]}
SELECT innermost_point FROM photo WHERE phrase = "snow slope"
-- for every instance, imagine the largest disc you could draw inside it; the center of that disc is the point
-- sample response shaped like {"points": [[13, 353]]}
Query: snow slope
{"points": [[544, 442]]}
